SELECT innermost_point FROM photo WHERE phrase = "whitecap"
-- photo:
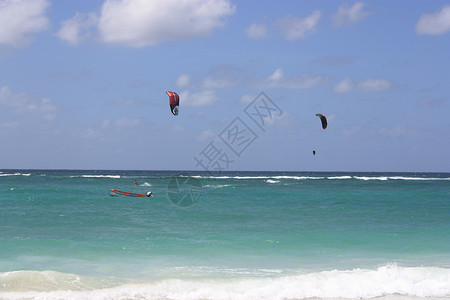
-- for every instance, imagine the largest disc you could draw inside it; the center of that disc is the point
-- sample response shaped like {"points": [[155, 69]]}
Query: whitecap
{"points": [[385, 281], [96, 176]]}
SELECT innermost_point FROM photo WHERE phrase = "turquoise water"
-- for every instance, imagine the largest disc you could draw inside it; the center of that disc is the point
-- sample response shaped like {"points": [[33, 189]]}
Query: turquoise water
{"points": [[248, 235]]}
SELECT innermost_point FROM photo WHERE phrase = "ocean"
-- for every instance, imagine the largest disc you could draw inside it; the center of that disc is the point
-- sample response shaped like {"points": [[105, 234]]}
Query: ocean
{"points": [[229, 235]]}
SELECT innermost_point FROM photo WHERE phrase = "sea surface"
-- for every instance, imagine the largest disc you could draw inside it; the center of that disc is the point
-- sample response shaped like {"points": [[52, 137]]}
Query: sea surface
{"points": [[231, 235]]}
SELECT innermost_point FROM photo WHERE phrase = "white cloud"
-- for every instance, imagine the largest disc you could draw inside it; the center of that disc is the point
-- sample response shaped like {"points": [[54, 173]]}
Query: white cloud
{"points": [[277, 75], [347, 15], [138, 23], [332, 118], [20, 19], [206, 134], [47, 109], [352, 130], [77, 29], [220, 77], [436, 23], [89, 134], [367, 85], [203, 98], [246, 99], [218, 83], [22, 103], [374, 85], [10, 125], [278, 79], [283, 119], [105, 124], [398, 131], [430, 102], [223, 76], [294, 28], [101, 131], [125, 123], [9, 99], [184, 80], [120, 123], [343, 86], [256, 31]]}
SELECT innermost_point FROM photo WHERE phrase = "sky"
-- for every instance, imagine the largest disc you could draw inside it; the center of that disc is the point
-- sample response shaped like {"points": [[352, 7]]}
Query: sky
{"points": [[83, 85]]}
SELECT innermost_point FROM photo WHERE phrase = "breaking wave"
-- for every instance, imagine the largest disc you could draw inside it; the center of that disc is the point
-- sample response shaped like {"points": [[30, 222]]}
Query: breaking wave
{"points": [[387, 282], [96, 176], [14, 174], [341, 177]]}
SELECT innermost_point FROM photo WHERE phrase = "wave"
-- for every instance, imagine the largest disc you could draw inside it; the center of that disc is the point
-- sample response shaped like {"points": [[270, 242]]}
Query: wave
{"points": [[341, 177], [256, 177], [383, 178], [272, 181], [226, 177], [389, 281], [96, 176], [417, 178], [298, 177], [15, 174], [217, 186], [18, 282]]}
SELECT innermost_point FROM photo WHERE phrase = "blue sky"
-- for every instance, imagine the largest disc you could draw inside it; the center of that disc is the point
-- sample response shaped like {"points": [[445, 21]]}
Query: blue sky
{"points": [[82, 85]]}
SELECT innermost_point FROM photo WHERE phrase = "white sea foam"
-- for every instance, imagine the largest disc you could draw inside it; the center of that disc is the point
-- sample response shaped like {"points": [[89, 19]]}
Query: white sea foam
{"points": [[297, 177], [146, 184], [339, 177], [96, 176], [386, 282], [383, 178], [371, 178], [342, 177], [217, 186], [272, 181], [260, 177], [417, 178], [45, 281], [231, 177], [15, 174]]}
